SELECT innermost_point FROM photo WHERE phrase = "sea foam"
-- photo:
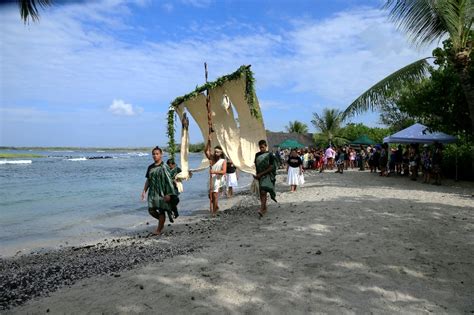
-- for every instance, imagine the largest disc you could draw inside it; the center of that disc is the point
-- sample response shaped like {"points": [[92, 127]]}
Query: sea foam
{"points": [[77, 159], [15, 162]]}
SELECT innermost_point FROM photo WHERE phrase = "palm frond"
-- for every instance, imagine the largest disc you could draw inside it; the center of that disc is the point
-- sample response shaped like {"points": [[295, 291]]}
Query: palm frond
{"points": [[328, 125], [297, 127], [428, 20], [458, 19], [318, 122], [380, 93], [29, 8], [418, 18]]}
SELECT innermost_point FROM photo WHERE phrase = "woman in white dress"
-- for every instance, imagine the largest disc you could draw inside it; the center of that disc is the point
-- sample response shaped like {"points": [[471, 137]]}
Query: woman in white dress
{"points": [[295, 170], [232, 178], [218, 170]]}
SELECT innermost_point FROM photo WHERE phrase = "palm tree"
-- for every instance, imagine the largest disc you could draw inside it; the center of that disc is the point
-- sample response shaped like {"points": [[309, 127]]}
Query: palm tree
{"points": [[29, 8], [426, 21], [329, 127], [297, 126]]}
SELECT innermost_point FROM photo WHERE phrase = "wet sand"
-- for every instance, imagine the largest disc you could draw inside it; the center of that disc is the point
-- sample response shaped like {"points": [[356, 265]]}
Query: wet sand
{"points": [[350, 243]]}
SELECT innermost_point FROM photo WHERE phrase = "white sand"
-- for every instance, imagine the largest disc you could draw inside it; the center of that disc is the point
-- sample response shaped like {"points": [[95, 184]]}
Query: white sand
{"points": [[351, 243]]}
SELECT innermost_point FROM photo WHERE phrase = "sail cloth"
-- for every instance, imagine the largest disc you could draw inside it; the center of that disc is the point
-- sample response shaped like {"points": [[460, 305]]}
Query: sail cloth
{"points": [[238, 136]]}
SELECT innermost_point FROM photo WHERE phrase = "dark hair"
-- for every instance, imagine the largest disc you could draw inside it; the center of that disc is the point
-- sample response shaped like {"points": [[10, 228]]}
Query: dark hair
{"points": [[218, 147], [170, 162], [157, 148], [262, 142]]}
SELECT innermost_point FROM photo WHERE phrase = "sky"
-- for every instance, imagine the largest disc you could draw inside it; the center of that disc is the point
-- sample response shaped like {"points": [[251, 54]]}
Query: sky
{"points": [[103, 73]]}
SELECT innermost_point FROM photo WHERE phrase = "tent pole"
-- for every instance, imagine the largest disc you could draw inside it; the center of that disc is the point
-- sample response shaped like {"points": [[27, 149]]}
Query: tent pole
{"points": [[210, 131]]}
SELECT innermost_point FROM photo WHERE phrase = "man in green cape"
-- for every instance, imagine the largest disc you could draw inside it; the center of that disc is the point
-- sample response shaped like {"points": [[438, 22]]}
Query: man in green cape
{"points": [[160, 188], [265, 164]]}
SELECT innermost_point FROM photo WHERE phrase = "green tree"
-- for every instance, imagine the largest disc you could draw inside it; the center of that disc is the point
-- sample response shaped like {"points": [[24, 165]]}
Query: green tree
{"points": [[297, 126], [198, 147], [353, 131], [437, 101], [30, 9], [394, 118], [426, 21], [329, 127]]}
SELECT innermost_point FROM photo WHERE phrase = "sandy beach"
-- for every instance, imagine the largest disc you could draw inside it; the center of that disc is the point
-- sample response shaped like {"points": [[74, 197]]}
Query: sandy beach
{"points": [[342, 244]]}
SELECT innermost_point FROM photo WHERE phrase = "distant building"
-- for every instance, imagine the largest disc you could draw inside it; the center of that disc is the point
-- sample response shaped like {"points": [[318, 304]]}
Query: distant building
{"points": [[275, 138]]}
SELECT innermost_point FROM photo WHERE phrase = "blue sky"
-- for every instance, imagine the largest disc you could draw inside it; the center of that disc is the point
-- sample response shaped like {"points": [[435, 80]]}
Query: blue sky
{"points": [[102, 73]]}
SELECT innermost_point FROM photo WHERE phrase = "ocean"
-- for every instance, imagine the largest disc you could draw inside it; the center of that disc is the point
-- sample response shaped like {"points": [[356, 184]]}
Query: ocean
{"points": [[71, 197]]}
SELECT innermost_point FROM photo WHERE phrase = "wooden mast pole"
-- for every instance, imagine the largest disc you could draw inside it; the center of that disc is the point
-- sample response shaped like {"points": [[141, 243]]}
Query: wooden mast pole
{"points": [[210, 131]]}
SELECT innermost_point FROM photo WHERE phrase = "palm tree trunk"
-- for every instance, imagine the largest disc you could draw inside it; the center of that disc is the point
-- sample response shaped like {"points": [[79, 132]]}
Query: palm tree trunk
{"points": [[468, 88]]}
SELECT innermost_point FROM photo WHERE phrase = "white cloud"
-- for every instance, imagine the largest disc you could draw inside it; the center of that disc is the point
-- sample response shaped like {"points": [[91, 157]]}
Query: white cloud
{"points": [[76, 58], [325, 58], [339, 62], [120, 108]]}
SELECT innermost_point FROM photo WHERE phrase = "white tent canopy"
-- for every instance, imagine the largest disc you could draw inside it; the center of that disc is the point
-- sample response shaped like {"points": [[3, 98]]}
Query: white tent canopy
{"points": [[419, 133]]}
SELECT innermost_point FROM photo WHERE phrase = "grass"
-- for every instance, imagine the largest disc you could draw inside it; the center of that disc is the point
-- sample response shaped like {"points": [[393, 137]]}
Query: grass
{"points": [[19, 155]]}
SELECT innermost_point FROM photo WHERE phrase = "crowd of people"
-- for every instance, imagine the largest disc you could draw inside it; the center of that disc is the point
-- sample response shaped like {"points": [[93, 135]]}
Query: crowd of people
{"points": [[407, 160], [163, 195]]}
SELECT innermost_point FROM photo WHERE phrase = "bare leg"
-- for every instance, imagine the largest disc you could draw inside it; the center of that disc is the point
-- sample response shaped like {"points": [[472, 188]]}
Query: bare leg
{"points": [[230, 192], [263, 203], [215, 206], [161, 224]]}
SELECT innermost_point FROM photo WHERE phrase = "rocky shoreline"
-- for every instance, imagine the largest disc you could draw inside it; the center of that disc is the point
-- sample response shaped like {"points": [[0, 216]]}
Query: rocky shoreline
{"points": [[35, 275], [25, 277]]}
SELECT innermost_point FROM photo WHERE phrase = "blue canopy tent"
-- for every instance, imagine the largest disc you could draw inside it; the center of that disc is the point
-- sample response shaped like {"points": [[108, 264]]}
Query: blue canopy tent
{"points": [[419, 133]]}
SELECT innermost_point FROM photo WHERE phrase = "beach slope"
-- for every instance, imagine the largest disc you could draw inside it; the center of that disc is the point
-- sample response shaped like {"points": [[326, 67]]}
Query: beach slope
{"points": [[350, 243]]}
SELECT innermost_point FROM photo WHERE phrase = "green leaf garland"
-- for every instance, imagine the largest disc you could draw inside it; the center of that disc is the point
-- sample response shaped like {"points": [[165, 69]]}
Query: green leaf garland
{"points": [[170, 133], [243, 71]]}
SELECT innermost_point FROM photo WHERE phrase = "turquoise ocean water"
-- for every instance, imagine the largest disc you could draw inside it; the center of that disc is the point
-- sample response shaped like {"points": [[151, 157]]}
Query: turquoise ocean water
{"points": [[69, 197]]}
